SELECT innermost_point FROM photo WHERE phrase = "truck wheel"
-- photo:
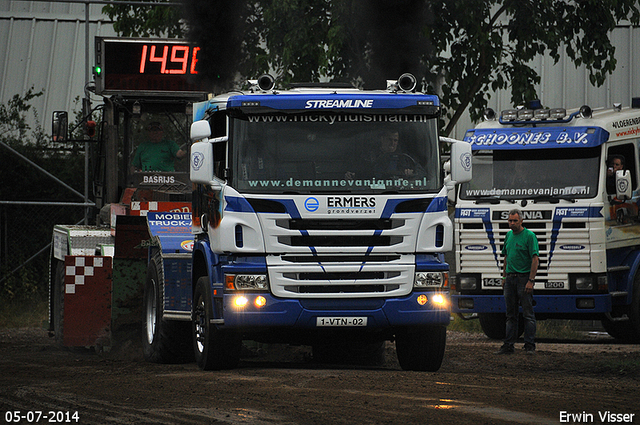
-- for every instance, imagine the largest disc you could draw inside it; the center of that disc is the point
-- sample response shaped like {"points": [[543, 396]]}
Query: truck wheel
{"points": [[627, 330], [57, 295], [494, 325], [163, 341], [634, 309], [421, 348], [622, 330], [214, 349]]}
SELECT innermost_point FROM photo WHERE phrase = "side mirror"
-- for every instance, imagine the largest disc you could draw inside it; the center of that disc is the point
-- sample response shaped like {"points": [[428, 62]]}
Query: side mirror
{"points": [[461, 170], [623, 184], [60, 126], [202, 161], [200, 130]]}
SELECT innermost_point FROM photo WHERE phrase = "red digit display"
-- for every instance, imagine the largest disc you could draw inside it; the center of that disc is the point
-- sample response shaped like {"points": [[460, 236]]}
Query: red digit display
{"points": [[162, 59], [178, 62], [143, 59], [194, 60], [147, 65], [183, 59]]}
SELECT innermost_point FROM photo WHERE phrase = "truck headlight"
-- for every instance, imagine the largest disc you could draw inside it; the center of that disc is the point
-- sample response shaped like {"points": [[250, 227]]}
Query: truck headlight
{"points": [[584, 283], [247, 282], [467, 283], [424, 280]]}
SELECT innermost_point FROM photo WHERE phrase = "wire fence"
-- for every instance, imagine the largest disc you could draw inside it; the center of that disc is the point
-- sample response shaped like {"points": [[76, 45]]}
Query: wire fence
{"points": [[25, 239]]}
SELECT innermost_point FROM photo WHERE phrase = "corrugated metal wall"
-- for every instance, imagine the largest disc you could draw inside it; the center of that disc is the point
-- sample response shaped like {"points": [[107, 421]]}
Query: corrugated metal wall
{"points": [[42, 44], [564, 85]]}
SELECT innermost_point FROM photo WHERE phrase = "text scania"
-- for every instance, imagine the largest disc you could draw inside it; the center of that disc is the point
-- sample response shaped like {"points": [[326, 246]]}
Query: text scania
{"points": [[350, 202], [339, 103], [526, 215]]}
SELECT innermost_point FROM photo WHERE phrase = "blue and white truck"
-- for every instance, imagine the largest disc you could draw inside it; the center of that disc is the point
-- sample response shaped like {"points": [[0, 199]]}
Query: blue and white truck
{"points": [[312, 227], [554, 165]]}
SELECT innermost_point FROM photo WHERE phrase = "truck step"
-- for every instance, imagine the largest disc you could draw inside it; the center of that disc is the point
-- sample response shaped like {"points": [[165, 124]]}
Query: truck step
{"points": [[619, 294], [618, 269]]}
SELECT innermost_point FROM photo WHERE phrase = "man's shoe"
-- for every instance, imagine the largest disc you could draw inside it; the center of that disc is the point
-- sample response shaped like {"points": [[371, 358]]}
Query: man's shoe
{"points": [[505, 349], [528, 349]]}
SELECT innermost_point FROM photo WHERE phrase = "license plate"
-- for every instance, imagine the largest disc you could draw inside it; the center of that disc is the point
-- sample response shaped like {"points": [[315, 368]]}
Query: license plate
{"points": [[341, 321], [492, 282]]}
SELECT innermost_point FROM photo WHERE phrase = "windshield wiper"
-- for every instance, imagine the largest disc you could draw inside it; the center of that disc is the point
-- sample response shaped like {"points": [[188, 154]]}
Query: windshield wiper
{"points": [[551, 199], [490, 199]]}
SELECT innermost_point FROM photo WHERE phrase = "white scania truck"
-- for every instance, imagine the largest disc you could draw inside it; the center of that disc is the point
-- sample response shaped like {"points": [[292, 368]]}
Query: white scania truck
{"points": [[320, 218], [553, 165]]}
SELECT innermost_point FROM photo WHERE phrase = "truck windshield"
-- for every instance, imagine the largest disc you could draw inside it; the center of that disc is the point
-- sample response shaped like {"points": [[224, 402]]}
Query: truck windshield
{"points": [[156, 150], [534, 174], [315, 153]]}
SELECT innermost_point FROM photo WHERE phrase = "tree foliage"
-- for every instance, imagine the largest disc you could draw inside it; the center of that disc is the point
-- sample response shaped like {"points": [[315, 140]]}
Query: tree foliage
{"points": [[137, 20], [462, 50]]}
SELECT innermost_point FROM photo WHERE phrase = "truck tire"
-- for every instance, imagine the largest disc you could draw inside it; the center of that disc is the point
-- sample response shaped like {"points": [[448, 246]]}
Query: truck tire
{"points": [[214, 349], [163, 341], [621, 330], [421, 348], [627, 330], [634, 309], [57, 296], [494, 325]]}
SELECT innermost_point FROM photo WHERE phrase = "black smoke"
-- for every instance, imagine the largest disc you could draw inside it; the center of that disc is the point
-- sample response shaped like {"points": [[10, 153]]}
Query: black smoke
{"points": [[384, 38], [391, 39], [219, 28]]}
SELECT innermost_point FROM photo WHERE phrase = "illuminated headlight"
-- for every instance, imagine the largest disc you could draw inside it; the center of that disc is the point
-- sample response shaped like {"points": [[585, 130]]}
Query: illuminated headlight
{"points": [[467, 283], [251, 282], [429, 280], [584, 283], [439, 299]]}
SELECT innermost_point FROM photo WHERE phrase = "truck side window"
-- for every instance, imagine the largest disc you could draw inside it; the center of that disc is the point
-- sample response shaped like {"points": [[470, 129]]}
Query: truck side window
{"points": [[218, 123], [626, 151]]}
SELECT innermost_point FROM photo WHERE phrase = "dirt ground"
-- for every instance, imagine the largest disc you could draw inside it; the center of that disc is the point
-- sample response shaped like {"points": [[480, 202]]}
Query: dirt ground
{"points": [[595, 380]]}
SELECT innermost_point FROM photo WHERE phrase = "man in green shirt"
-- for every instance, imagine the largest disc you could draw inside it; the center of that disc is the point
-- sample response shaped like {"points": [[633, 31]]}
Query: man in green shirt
{"points": [[158, 154], [520, 266]]}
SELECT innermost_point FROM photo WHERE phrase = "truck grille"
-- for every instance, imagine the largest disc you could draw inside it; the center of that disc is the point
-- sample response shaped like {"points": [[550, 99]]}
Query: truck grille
{"points": [[479, 248], [341, 277]]}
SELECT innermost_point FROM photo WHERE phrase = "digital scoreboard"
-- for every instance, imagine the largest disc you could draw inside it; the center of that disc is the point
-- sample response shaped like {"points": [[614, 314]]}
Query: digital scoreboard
{"points": [[147, 66]]}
